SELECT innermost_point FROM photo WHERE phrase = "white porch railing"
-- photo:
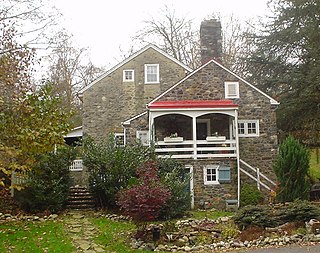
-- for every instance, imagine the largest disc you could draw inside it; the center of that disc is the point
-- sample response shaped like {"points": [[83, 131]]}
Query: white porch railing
{"points": [[257, 176], [77, 165], [197, 149]]}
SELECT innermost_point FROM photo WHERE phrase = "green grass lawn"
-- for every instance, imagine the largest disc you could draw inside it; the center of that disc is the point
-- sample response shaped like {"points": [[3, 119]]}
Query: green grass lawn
{"points": [[213, 215], [314, 166], [115, 235], [34, 237]]}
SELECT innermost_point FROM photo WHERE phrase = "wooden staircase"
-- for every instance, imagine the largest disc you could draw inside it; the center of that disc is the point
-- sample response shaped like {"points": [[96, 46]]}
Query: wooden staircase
{"points": [[80, 199]]}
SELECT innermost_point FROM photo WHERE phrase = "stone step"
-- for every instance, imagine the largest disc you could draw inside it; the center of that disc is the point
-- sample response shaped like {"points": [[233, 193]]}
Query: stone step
{"points": [[80, 198], [79, 207]]}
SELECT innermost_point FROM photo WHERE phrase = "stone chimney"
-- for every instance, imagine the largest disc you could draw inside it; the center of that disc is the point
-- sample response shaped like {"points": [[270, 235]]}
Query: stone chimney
{"points": [[210, 40]]}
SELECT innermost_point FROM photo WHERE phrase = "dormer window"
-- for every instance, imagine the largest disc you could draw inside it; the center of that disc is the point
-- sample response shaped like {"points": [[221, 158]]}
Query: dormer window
{"points": [[151, 72], [128, 75], [231, 89]]}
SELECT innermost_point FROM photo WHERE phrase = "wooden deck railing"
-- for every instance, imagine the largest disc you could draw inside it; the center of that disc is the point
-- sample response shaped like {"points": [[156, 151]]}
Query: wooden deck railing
{"points": [[196, 149]]}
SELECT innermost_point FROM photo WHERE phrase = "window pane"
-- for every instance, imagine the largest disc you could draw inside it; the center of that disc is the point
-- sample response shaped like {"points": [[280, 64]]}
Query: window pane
{"points": [[252, 128], [232, 90], [152, 74], [241, 128]]}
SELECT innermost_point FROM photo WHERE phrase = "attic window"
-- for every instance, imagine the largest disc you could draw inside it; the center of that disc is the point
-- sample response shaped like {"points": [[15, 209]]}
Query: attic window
{"points": [[128, 75], [231, 89], [151, 72]]}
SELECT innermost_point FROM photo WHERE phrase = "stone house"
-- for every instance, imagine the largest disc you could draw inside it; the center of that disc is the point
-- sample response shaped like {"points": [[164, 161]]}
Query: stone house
{"points": [[220, 126]]}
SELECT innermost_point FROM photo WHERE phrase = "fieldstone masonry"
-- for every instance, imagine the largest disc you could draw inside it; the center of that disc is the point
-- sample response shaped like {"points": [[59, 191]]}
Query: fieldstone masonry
{"points": [[112, 101]]}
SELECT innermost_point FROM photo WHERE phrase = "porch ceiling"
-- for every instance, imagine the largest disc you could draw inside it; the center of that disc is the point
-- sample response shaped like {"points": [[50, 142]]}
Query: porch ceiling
{"points": [[192, 104]]}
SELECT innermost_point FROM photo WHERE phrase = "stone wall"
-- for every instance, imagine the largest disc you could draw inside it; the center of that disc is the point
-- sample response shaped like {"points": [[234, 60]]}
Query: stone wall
{"points": [[216, 195], [208, 84], [112, 101]]}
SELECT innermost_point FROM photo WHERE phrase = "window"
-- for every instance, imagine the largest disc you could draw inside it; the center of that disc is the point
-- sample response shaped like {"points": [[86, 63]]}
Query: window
{"points": [[151, 73], [119, 139], [143, 136], [231, 89], [216, 174], [128, 75], [211, 174], [248, 128]]}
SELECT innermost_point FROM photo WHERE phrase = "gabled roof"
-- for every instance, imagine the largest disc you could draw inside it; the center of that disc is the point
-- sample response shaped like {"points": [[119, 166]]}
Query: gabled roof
{"points": [[272, 101], [129, 59], [75, 132], [192, 104], [127, 122]]}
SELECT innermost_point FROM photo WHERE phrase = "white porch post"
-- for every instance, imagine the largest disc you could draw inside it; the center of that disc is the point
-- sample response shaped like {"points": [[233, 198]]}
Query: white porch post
{"points": [[238, 154], [151, 130], [194, 136]]}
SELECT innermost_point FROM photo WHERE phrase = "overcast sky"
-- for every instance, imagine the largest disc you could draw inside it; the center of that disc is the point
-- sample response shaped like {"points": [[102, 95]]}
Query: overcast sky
{"points": [[104, 25]]}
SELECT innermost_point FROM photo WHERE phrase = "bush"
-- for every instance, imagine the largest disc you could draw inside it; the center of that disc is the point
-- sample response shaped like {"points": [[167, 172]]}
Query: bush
{"points": [[259, 215], [250, 195], [298, 211], [111, 167], [143, 202], [49, 182], [174, 176], [291, 168]]}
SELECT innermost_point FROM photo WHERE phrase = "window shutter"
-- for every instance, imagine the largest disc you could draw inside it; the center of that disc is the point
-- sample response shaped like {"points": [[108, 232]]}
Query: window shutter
{"points": [[224, 174]]}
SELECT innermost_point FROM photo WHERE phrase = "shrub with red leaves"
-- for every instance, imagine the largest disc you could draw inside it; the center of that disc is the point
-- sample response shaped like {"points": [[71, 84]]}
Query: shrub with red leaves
{"points": [[144, 201]]}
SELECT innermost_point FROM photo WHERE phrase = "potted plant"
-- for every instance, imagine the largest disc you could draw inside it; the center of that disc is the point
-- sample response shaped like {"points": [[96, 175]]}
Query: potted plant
{"points": [[215, 137], [173, 138]]}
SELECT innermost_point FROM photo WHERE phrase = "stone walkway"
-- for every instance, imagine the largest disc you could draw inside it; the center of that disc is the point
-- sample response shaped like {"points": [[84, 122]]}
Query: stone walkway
{"points": [[82, 232]]}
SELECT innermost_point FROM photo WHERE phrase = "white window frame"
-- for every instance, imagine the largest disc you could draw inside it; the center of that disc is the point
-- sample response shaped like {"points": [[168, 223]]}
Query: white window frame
{"points": [[205, 174], [246, 124], [119, 135], [140, 133], [146, 73], [227, 90], [124, 75]]}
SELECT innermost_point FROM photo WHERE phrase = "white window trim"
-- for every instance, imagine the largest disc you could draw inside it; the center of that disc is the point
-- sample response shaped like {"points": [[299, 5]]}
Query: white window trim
{"points": [[226, 90], [145, 73], [120, 134], [206, 182], [246, 134], [139, 133], [124, 75]]}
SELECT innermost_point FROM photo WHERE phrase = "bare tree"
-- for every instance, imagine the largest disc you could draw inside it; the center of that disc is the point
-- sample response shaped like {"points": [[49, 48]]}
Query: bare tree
{"points": [[34, 21], [175, 35], [70, 69]]}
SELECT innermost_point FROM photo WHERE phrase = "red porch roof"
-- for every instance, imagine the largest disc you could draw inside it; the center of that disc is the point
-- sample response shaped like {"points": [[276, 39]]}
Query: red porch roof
{"points": [[193, 104]]}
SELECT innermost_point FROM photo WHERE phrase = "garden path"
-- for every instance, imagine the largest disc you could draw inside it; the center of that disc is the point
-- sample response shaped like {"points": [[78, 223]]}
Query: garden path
{"points": [[82, 232]]}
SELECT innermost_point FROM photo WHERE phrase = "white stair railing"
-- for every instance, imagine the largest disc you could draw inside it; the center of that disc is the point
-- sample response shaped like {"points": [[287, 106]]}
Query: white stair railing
{"points": [[257, 176]]}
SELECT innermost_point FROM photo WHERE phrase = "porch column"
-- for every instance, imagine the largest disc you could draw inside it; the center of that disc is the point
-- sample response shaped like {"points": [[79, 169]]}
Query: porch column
{"points": [[151, 130], [194, 136], [238, 153]]}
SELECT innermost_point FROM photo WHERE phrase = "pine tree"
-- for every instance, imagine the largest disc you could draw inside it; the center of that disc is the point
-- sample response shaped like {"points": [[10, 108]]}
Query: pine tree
{"points": [[291, 168]]}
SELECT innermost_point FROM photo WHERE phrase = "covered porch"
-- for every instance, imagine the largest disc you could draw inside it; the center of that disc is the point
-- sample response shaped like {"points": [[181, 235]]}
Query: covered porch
{"points": [[194, 129]]}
